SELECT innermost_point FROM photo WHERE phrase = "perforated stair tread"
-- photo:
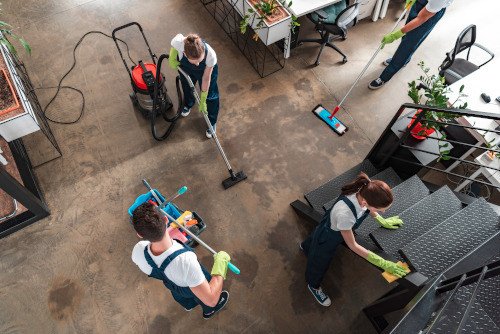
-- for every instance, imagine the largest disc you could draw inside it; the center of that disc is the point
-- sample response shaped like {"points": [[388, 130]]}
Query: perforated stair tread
{"points": [[388, 175], [478, 320], [405, 195], [418, 219], [331, 189], [439, 248]]}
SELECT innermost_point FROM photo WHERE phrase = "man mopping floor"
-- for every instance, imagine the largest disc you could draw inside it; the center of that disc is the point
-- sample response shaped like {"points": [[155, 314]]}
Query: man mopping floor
{"points": [[423, 17]]}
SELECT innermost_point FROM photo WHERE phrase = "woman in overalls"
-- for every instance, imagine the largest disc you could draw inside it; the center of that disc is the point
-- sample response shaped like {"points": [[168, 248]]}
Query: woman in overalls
{"points": [[199, 61], [358, 199]]}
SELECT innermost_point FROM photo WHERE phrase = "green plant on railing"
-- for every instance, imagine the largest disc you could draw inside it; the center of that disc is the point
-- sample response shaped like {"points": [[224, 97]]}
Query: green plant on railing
{"points": [[264, 9], [435, 94], [6, 32]]}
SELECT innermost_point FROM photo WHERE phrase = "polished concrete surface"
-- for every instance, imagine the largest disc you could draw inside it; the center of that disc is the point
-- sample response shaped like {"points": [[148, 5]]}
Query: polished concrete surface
{"points": [[72, 271]]}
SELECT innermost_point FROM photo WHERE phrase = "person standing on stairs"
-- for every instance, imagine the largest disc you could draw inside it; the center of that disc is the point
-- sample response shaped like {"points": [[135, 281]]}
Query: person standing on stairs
{"points": [[199, 61], [176, 264], [423, 17], [358, 199]]}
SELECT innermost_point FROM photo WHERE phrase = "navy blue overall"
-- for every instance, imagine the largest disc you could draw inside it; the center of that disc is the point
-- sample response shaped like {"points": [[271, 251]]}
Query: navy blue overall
{"points": [[412, 40], [320, 246], [183, 295], [196, 75]]}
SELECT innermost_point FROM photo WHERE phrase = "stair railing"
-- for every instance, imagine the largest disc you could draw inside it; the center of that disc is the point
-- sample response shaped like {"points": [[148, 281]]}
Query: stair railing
{"points": [[388, 150]]}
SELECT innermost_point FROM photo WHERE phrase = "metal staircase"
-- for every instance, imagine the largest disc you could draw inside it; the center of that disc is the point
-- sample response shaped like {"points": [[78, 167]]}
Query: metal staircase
{"points": [[440, 230]]}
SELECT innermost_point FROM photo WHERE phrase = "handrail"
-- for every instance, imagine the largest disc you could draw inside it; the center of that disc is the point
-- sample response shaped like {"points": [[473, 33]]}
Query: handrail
{"points": [[442, 308], [452, 158], [471, 301], [460, 112], [479, 147]]}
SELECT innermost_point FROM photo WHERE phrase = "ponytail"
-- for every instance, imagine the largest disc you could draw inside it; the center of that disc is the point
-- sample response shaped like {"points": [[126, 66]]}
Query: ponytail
{"points": [[193, 46], [376, 193]]}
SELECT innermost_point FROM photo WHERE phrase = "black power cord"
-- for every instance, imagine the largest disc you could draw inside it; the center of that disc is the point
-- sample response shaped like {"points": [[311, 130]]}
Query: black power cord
{"points": [[60, 86]]}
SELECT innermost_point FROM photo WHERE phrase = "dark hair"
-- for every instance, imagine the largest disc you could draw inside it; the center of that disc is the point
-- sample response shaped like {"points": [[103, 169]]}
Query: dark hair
{"points": [[148, 223], [376, 193], [193, 46]]}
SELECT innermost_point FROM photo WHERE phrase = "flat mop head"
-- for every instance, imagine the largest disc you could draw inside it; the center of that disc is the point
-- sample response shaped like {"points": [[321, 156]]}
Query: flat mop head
{"points": [[233, 179], [335, 124]]}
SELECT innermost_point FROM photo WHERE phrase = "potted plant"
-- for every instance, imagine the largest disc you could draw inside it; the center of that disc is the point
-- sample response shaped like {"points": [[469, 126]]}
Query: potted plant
{"points": [[8, 96], [435, 94], [270, 15]]}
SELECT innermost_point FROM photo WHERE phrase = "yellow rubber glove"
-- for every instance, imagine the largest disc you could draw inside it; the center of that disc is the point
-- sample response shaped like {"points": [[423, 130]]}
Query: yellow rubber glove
{"points": [[203, 102], [389, 266], [391, 37], [221, 259], [410, 3], [173, 61], [390, 223]]}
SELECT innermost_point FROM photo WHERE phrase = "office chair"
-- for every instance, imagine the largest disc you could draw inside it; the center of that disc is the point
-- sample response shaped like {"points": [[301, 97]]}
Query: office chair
{"points": [[453, 68], [332, 31]]}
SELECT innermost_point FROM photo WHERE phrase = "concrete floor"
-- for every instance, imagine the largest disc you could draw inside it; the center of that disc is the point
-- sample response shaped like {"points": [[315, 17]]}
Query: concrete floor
{"points": [[72, 271]]}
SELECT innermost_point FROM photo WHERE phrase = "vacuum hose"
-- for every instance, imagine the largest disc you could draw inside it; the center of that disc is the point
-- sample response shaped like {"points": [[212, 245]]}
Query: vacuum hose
{"points": [[159, 103]]}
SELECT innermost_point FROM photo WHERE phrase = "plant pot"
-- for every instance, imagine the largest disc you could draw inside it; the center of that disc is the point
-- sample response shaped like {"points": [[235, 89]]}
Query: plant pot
{"points": [[8, 97], [276, 26], [419, 132]]}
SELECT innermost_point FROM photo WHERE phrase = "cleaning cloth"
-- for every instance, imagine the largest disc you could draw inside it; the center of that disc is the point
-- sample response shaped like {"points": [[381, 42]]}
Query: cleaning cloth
{"points": [[390, 277]]}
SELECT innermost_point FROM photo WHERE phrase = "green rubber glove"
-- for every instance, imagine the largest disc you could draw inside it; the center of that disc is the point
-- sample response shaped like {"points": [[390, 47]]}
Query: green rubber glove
{"points": [[221, 259], [390, 267], [173, 61], [410, 3], [203, 102], [391, 37], [390, 223]]}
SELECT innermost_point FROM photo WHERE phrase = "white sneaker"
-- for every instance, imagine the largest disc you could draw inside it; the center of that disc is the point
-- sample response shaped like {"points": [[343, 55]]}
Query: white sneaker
{"points": [[185, 111], [208, 133]]}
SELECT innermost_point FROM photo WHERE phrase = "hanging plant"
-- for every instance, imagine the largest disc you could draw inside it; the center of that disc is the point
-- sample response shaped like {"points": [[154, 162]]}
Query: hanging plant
{"points": [[266, 11]]}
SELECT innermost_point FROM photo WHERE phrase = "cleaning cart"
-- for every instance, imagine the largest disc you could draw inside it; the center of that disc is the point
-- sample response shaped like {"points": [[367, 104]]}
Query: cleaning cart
{"points": [[175, 213]]}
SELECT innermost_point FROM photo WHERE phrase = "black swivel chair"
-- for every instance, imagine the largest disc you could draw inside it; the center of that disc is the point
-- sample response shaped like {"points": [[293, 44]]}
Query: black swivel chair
{"points": [[453, 68], [331, 31]]}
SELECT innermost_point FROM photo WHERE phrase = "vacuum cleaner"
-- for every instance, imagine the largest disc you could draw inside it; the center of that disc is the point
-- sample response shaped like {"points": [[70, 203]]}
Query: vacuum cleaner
{"points": [[149, 93]]}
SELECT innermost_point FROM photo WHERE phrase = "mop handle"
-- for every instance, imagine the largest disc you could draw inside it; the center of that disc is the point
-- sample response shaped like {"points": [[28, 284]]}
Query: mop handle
{"points": [[197, 98], [174, 196], [231, 266], [367, 65]]}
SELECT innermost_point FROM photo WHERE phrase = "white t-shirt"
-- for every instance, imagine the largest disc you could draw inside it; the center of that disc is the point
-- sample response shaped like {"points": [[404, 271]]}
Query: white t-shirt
{"points": [[178, 44], [435, 6], [184, 270], [341, 216]]}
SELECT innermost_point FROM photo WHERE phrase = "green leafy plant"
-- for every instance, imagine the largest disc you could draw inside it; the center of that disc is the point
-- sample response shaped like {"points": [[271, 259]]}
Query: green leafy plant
{"points": [[435, 94], [264, 9], [6, 32]]}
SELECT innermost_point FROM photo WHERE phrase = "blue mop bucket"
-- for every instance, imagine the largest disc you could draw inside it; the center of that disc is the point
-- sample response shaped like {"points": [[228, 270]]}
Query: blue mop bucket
{"points": [[171, 209]]}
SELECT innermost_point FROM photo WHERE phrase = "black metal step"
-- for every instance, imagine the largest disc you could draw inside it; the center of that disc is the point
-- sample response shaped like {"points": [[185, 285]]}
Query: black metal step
{"points": [[388, 175], [417, 219], [478, 320], [442, 246], [331, 189], [405, 195]]}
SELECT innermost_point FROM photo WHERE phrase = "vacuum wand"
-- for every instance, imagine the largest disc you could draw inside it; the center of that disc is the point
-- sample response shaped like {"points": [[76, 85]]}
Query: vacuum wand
{"points": [[161, 205], [234, 177], [336, 109]]}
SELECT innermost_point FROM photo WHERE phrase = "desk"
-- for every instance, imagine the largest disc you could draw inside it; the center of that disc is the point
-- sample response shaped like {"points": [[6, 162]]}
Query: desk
{"points": [[484, 80], [303, 7]]}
